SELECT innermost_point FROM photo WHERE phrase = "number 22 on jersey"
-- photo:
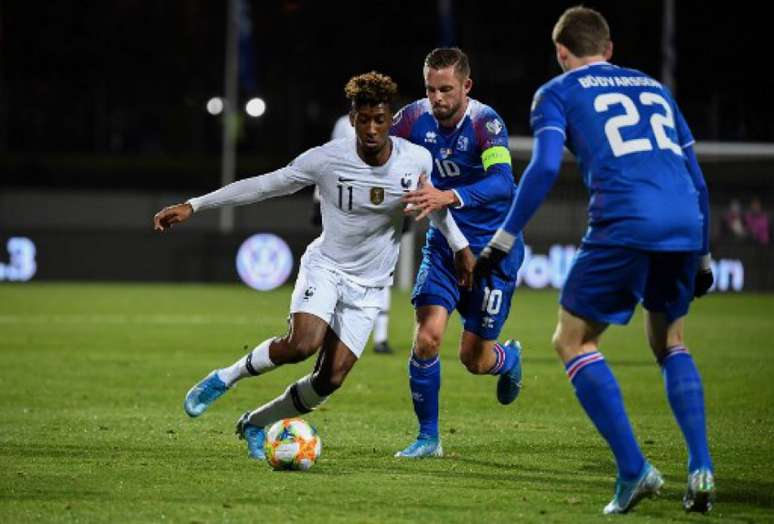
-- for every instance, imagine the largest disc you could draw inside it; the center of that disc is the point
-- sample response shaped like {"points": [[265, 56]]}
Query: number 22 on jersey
{"points": [[631, 117]]}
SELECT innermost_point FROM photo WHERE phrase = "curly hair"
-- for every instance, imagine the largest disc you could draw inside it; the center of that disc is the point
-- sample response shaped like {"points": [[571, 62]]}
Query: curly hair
{"points": [[371, 89]]}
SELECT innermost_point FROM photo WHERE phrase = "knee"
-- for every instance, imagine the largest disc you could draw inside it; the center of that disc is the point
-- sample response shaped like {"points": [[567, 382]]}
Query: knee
{"points": [[564, 345], [427, 343], [326, 384]]}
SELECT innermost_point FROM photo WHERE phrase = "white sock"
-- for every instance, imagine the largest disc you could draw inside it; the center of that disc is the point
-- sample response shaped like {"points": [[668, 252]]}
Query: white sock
{"points": [[254, 363], [382, 319], [380, 327], [299, 398]]}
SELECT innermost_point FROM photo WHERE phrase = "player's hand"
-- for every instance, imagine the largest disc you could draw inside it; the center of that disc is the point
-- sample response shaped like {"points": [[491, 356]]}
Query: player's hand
{"points": [[704, 279], [171, 215], [425, 199], [488, 259], [464, 261], [703, 282]]}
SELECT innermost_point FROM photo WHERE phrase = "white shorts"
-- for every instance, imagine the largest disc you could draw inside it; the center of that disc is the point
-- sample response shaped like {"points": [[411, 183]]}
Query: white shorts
{"points": [[349, 308]]}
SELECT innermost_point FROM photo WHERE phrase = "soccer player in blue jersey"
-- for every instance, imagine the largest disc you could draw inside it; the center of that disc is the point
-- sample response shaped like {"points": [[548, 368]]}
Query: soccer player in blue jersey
{"points": [[472, 177], [647, 241]]}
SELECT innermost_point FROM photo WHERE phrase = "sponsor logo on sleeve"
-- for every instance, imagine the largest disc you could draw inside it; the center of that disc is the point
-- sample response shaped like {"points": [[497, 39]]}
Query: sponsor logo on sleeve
{"points": [[494, 127]]}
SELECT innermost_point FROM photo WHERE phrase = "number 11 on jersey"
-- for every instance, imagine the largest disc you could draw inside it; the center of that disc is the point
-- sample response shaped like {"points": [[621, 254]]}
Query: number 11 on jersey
{"points": [[345, 194]]}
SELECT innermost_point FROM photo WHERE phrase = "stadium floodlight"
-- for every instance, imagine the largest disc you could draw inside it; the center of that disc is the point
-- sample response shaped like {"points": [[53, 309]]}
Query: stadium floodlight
{"points": [[255, 107], [215, 105]]}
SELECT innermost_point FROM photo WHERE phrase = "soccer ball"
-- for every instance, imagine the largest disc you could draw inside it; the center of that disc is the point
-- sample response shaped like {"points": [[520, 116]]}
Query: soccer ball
{"points": [[292, 443]]}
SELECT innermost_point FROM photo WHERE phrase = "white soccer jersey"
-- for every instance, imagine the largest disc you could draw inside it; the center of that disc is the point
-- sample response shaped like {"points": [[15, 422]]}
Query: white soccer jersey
{"points": [[361, 206]]}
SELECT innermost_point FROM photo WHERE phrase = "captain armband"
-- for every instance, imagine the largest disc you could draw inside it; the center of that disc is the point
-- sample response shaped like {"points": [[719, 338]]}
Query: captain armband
{"points": [[495, 155]]}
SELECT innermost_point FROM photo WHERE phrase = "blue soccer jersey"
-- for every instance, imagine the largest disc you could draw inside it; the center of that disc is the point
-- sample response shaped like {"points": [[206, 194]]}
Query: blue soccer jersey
{"points": [[472, 160], [627, 135]]}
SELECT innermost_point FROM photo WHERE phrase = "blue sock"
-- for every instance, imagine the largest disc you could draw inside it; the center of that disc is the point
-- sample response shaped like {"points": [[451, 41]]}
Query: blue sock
{"points": [[505, 357], [425, 383], [686, 396], [599, 394]]}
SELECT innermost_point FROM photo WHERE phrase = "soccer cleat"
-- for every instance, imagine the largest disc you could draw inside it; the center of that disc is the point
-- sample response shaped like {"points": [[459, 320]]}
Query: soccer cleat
{"points": [[629, 493], [422, 447], [383, 347], [509, 383], [199, 397], [253, 435], [700, 493]]}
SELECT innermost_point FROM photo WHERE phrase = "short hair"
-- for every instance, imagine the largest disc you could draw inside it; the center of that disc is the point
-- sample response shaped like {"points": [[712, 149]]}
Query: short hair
{"points": [[583, 31], [443, 57], [371, 89]]}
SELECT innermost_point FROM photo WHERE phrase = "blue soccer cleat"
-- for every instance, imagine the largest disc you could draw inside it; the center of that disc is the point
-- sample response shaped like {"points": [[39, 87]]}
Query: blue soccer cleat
{"points": [[509, 383], [700, 493], [629, 493], [422, 447], [253, 435], [199, 397]]}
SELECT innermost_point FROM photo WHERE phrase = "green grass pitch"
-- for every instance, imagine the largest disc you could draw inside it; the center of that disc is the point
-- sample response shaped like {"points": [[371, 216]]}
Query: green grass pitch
{"points": [[93, 430]]}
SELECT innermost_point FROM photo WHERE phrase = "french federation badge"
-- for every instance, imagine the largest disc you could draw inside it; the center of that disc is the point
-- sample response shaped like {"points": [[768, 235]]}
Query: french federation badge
{"points": [[377, 195]]}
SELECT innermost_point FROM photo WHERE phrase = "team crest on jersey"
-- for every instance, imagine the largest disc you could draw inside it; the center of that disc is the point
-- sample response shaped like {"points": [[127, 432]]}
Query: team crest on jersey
{"points": [[494, 127], [405, 181], [462, 143], [430, 137], [377, 195]]}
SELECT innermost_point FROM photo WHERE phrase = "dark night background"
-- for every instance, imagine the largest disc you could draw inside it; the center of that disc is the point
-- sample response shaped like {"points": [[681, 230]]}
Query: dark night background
{"points": [[112, 94]]}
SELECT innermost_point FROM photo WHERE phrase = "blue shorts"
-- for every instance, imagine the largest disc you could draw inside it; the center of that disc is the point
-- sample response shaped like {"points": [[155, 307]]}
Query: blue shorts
{"points": [[485, 308], [605, 283]]}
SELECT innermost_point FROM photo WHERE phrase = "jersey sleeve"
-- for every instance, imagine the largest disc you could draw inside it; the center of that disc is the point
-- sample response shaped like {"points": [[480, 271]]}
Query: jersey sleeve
{"points": [[492, 140], [403, 121], [684, 134], [302, 172], [547, 113], [491, 134]]}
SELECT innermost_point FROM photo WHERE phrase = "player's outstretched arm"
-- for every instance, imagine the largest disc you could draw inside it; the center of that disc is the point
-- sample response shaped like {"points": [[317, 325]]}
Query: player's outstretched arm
{"points": [[464, 260], [426, 199], [172, 215], [536, 182]]}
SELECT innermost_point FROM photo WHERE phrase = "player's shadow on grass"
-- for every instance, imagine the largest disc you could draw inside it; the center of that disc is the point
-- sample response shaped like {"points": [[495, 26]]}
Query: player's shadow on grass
{"points": [[754, 493]]}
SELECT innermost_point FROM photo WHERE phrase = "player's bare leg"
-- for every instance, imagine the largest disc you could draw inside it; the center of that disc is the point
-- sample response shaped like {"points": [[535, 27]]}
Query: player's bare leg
{"points": [[425, 380], [334, 363], [305, 336], [686, 397], [488, 357], [576, 336], [576, 341]]}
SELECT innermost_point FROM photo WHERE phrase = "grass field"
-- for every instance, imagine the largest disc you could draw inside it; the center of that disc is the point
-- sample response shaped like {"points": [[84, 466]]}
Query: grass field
{"points": [[92, 425]]}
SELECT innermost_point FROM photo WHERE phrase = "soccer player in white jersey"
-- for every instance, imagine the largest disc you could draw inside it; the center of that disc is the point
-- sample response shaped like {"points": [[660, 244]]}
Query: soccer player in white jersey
{"points": [[343, 272], [343, 129]]}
